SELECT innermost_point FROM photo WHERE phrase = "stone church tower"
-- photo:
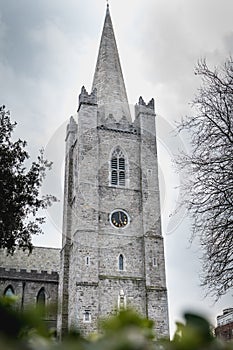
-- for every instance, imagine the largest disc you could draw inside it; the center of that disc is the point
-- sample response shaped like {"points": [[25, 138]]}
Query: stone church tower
{"points": [[112, 252]]}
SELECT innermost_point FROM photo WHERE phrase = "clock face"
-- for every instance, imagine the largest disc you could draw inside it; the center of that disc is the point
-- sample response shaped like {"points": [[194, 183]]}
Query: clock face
{"points": [[119, 218]]}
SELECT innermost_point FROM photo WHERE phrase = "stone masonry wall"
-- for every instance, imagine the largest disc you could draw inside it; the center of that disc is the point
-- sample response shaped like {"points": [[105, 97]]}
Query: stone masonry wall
{"points": [[41, 259], [134, 293], [96, 285], [27, 274]]}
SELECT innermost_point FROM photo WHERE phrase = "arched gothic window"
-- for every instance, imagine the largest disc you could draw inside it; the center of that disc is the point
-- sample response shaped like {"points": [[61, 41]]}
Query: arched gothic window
{"points": [[118, 167], [41, 297], [9, 291], [121, 262]]}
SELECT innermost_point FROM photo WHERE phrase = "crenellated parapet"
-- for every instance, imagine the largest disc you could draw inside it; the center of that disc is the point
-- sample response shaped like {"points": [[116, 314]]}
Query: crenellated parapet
{"points": [[150, 104], [121, 126], [145, 108], [28, 275], [87, 99], [145, 117], [41, 259]]}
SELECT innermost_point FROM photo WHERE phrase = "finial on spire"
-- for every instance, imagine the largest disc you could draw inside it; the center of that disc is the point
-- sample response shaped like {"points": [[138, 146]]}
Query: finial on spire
{"points": [[107, 4]]}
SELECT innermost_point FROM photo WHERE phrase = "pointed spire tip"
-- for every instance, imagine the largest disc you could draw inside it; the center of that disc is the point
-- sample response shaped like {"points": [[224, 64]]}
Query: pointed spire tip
{"points": [[108, 77]]}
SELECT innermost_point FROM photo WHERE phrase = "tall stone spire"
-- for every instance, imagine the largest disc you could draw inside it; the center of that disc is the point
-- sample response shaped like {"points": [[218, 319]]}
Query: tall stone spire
{"points": [[108, 77]]}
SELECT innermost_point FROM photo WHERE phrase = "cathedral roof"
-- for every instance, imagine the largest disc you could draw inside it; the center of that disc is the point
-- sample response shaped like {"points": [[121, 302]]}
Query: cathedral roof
{"points": [[108, 77]]}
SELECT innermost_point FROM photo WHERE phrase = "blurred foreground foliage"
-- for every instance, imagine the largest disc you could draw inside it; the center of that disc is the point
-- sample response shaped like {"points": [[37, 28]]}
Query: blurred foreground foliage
{"points": [[126, 331]]}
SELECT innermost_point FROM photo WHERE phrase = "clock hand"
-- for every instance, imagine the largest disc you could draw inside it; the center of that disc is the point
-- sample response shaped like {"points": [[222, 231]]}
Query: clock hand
{"points": [[120, 219]]}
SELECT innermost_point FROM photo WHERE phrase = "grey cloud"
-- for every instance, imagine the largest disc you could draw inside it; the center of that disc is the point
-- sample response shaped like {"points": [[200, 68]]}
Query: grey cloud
{"points": [[228, 42], [175, 35], [40, 44], [183, 33], [23, 18]]}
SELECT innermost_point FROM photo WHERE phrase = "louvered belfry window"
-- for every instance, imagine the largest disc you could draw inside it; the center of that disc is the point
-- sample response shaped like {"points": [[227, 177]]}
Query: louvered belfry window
{"points": [[118, 168]]}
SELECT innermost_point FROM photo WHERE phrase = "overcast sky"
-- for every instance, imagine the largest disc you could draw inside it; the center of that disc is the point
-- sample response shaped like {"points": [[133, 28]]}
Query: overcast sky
{"points": [[48, 50]]}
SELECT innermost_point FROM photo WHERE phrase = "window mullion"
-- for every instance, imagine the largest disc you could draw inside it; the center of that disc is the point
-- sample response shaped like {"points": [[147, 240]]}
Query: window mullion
{"points": [[118, 170]]}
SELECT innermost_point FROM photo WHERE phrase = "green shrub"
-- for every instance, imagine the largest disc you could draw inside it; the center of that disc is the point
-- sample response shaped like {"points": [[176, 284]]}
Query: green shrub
{"points": [[126, 331]]}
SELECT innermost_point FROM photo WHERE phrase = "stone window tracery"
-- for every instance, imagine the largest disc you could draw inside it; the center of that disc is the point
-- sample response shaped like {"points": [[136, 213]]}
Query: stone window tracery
{"points": [[118, 168]]}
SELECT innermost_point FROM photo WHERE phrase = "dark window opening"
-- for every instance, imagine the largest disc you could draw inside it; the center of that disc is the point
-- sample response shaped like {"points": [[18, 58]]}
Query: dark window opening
{"points": [[9, 291], [121, 262], [87, 316], [41, 297]]}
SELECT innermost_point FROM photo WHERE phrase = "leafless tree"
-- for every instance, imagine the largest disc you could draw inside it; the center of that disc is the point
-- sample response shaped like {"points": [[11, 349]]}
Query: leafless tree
{"points": [[208, 169]]}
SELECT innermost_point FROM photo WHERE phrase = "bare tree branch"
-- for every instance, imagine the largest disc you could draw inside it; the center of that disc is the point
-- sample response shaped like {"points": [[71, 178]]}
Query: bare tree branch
{"points": [[208, 180]]}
